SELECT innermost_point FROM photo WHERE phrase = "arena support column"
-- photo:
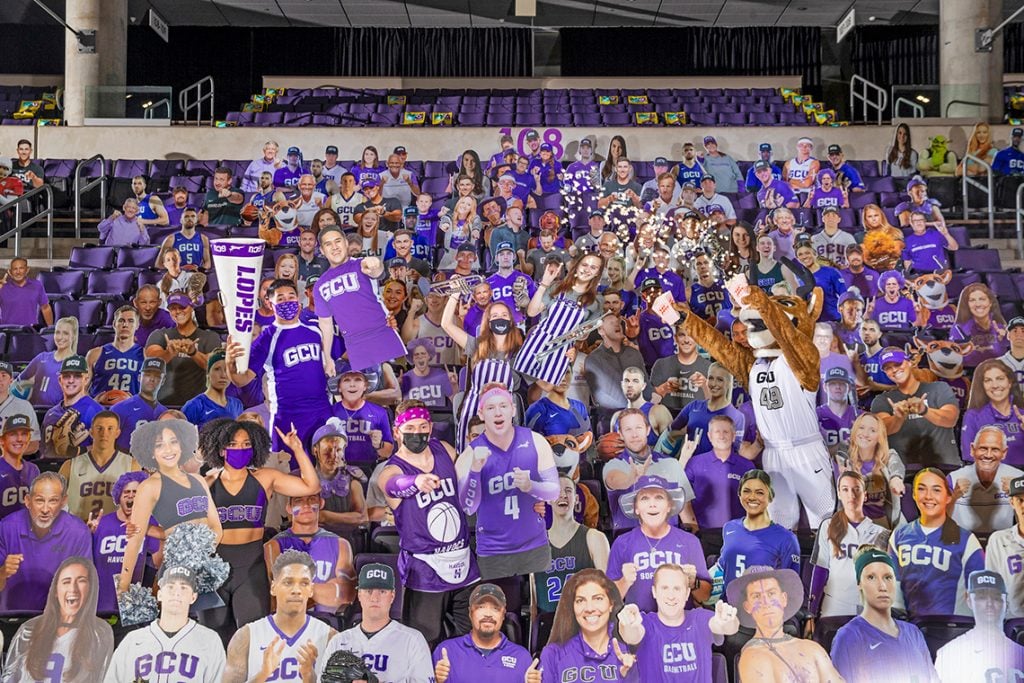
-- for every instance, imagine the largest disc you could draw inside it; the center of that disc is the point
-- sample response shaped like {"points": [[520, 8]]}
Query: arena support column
{"points": [[965, 74], [105, 66]]}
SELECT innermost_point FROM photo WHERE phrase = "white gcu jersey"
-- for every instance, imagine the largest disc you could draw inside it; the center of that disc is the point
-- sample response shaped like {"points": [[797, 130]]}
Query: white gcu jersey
{"points": [[194, 653], [841, 596], [784, 410], [1005, 556], [262, 634], [447, 352], [346, 208], [799, 170], [396, 653]]}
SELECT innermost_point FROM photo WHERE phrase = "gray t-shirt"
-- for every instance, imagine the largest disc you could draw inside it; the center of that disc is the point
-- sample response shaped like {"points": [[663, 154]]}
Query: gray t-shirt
{"points": [[665, 368], [919, 442], [184, 378], [615, 187], [537, 257], [603, 370]]}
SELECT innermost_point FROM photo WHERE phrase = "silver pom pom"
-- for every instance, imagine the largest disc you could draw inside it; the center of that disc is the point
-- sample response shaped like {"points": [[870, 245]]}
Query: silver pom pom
{"points": [[194, 546], [137, 606]]}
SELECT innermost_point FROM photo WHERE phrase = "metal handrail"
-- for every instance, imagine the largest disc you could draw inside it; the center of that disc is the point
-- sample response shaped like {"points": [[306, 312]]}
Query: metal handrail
{"points": [[186, 106], [1018, 214], [878, 105], [80, 189], [967, 102], [20, 225], [987, 189], [165, 102], [916, 110]]}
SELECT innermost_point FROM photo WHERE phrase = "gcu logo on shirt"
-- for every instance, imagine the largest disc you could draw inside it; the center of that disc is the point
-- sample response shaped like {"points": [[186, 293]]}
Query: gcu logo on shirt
{"points": [[324, 570], [343, 284], [355, 426], [121, 364], [166, 663], [115, 546], [302, 353], [96, 488], [653, 559], [674, 653], [588, 674], [288, 671], [924, 555], [378, 663], [425, 393], [186, 506], [447, 489], [14, 495], [508, 662], [503, 482]]}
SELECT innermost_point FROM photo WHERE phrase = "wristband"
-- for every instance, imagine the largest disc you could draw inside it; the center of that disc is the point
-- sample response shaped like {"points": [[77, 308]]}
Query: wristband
{"points": [[469, 492], [401, 486]]}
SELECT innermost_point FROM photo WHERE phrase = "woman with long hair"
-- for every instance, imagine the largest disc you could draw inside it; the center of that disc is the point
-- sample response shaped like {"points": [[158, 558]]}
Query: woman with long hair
{"points": [[868, 454], [938, 584], [615, 274], [241, 488], [833, 576], [460, 226], [368, 166], [546, 171], [981, 146], [901, 158], [162, 447], [469, 166], [374, 239], [489, 355], [980, 322], [395, 295], [741, 244], [67, 643], [287, 268], [42, 374], [883, 242], [323, 218], [995, 399], [616, 151], [585, 628]]}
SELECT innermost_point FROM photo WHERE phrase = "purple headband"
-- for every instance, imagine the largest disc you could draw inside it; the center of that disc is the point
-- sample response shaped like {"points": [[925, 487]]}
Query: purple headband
{"points": [[490, 393], [412, 414]]}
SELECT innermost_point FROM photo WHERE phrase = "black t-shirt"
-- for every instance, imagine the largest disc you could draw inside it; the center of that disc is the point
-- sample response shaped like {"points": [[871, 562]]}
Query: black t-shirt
{"points": [[390, 204], [220, 210], [21, 172]]}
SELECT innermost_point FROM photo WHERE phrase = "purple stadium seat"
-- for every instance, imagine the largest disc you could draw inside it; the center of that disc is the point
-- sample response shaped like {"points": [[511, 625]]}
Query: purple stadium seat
{"points": [[95, 169], [762, 92], [881, 184], [747, 201], [59, 168], [24, 346], [977, 260], [890, 200], [529, 119], [435, 187], [591, 119], [137, 257], [192, 183], [561, 120], [1003, 286], [498, 120], [91, 258], [166, 168], [781, 108], [298, 119], [868, 168], [732, 119], [233, 116], [735, 92], [750, 108], [330, 120], [129, 168], [959, 281], [710, 92], [63, 284], [384, 119], [149, 277], [436, 169], [701, 119], [793, 118], [203, 167], [962, 235], [858, 200], [246, 118], [110, 283], [88, 312], [236, 166], [762, 119], [467, 118], [268, 118], [616, 119]]}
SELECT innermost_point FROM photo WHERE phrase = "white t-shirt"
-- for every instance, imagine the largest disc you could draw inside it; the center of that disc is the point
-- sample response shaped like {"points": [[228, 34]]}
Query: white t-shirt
{"points": [[984, 509], [396, 653]]}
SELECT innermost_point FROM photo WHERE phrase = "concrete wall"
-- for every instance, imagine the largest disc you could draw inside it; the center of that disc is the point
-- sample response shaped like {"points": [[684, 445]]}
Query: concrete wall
{"points": [[180, 142], [400, 83]]}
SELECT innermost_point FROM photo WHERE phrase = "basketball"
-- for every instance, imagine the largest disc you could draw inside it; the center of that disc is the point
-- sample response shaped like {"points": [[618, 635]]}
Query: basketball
{"points": [[443, 522], [250, 213]]}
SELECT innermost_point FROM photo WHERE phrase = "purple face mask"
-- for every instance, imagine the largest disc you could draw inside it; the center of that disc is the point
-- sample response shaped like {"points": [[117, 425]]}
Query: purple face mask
{"points": [[287, 310], [238, 458]]}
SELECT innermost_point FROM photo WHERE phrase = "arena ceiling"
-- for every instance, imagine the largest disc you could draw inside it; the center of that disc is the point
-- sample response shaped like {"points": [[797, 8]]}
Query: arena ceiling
{"points": [[550, 13]]}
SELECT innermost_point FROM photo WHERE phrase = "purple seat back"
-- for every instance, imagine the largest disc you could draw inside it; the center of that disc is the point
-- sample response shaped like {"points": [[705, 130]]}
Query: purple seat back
{"points": [[203, 167], [110, 282], [137, 257], [63, 282], [88, 312], [91, 258], [129, 168], [166, 168]]}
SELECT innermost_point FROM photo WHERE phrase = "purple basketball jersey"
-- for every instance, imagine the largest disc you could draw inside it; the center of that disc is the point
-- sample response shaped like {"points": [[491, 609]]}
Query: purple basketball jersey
{"points": [[647, 554], [433, 390], [656, 339], [108, 546], [895, 316], [14, 485]]}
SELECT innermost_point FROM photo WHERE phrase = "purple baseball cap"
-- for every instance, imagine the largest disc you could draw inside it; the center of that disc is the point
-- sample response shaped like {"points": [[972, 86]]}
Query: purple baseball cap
{"points": [[710, 139], [915, 181], [891, 354]]}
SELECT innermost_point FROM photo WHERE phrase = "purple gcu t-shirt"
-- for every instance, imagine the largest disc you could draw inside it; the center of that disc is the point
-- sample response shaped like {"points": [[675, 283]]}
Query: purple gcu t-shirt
{"points": [[835, 429], [501, 290], [896, 316], [14, 485], [676, 654], [577, 661], [506, 522], [678, 547], [716, 487], [433, 533], [656, 339], [358, 425], [27, 589], [433, 390], [108, 546]]}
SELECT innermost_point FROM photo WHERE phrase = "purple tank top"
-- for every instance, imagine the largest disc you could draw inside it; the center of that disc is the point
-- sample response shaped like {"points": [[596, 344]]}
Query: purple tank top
{"points": [[506, 522]]}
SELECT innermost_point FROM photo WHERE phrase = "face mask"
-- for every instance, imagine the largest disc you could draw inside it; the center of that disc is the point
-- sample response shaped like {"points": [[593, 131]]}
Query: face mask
{"points": [[417, 443], [239, 458], [500, 326], [287, 310]]}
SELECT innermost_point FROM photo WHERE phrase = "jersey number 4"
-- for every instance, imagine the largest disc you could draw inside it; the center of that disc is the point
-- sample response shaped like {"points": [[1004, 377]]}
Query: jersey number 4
{"points": [[512, 506], [771, 398]]}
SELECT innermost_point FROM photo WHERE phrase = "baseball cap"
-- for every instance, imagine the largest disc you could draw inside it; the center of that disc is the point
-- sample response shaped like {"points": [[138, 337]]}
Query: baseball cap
{"points": [[154, 365], [1017, 132], [891, 354], [1014, 322], [312, 280], [545, 147], [466, 246], [870, 556], [532, 135], [410, 211], [984, 579], [397, 262], [294, 150], [710, 138], [376, 576], [15, 422], [74, 364], [179, 298], [835, 149], [399, 150], [852, 294], [707, 176], [715, 208], [762, 165], [588, 142], [504, 246], [370, 181], [331, 149], [507, 176], [648, 283], [661, 161], [764, 147], [487, 591], [838, 373], [1017, 486], [830, 209], [597, 212], [334, 427], [688, 185], [6, 367], [179, 573], [915, 181]]}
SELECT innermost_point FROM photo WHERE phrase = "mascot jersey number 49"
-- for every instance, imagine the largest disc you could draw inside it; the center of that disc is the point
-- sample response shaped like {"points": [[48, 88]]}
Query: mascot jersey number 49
{"points": [[781, 368]]}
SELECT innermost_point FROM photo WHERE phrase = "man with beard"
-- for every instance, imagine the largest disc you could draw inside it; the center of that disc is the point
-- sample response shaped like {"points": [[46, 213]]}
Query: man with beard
{"points": [[184, 348], [176, 205], [223, 204], [66, 425], [984, 653], [484, 652], [174, 644], [143, 406], [16, 475], [284, 645], [634, 381], [29, 540], [674, 643], [110, 538], [192, 246]]}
